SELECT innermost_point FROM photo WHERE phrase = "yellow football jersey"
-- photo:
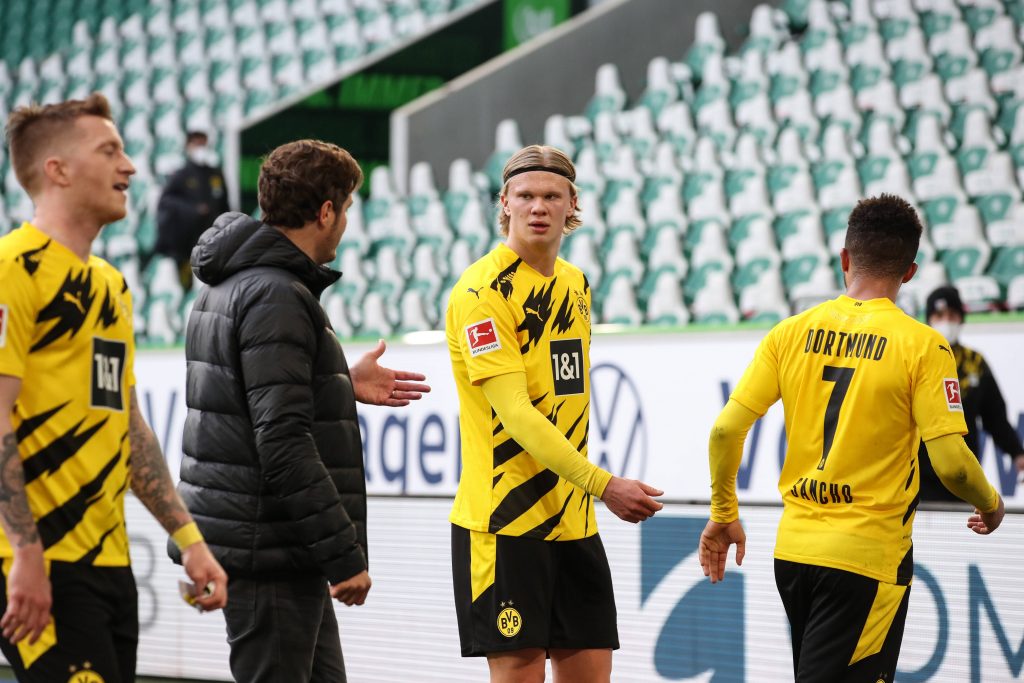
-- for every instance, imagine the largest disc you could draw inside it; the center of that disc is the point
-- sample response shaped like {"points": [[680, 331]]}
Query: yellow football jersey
{"points": [[66, 331], [861, 382], [503, 316]]}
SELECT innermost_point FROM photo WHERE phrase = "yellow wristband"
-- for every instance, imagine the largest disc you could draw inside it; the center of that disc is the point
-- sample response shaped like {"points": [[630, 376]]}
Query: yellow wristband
{"points": [[186, 536]]}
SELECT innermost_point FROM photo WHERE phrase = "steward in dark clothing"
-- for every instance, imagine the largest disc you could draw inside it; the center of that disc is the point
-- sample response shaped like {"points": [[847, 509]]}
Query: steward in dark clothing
{"points": [[980, 395], [192, 197], [982, 401]]}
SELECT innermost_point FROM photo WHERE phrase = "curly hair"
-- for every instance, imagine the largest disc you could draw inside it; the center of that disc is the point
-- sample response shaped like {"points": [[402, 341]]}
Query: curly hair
{"points": [[883, 236], [33, 129], [540, 158], [298, 177]]}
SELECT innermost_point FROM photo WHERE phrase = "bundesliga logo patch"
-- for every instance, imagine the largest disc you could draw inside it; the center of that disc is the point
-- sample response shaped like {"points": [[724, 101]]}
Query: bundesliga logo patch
{"points": [[3, 325], [952, 389], [482, 337]]}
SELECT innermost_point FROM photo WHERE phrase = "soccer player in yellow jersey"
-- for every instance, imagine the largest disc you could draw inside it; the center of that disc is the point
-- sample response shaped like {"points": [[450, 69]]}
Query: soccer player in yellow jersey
{"points": [[72, 439], [530, 574], [859, 381]]}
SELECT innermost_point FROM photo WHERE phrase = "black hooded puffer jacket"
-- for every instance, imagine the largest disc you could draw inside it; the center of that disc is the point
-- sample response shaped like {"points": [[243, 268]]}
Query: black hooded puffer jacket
{"points": [[273, 461]]}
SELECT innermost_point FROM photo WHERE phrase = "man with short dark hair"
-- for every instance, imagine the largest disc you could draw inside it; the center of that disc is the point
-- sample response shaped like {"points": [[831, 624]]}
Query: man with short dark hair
{"points": [[982, 399], [192, 196], [273, 460], [72, 438], [858, 379]]}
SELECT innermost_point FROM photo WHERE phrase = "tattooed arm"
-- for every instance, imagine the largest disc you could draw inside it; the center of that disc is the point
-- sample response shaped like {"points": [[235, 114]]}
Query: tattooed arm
{"points": [[28, 586], [151, 480], [151, 483]]}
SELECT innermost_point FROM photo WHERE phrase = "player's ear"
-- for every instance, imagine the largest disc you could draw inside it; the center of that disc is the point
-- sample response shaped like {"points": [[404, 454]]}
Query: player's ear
{"points": [[911, 271], [326, 213], [56, 171]]}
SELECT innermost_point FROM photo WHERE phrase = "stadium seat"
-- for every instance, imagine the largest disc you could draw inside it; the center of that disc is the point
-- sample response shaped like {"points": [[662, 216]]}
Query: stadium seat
{"points": [[1007, 265], [337, 308], [665, 209], [506, 141], [713, 303], [662, 169], [765, 299], [354, 282], [556, 135], [660, 88], [1007, 228], [707, 40], [428, 272], [376, 320], [414, 311], [164, 282], [666, 253], [608, 93], [619, 305], [622, 172], [162, 324], [582, 250], [820, 285], [422, 190], [675, 124], [621, 255], [625, 213], [966, 261], [589, 207], [1015, 294], [978, 292], [665, 304]]}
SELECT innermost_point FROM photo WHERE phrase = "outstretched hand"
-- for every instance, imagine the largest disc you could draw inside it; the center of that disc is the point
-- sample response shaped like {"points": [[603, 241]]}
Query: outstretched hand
{"points": [[713, 548], [376, 385]]}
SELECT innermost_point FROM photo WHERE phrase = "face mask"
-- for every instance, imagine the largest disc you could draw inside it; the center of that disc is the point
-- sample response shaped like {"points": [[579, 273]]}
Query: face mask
{"points": [[203, 156], [948, 329]]}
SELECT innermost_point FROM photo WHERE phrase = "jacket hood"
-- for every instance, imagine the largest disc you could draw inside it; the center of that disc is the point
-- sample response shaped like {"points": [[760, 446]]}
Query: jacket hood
{"points": [[237, 242]]}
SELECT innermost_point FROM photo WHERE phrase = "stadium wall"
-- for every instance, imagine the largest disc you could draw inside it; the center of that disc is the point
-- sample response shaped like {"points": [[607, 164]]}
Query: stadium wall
{"points": [[654, 399], [966, 620], [556, 70]]}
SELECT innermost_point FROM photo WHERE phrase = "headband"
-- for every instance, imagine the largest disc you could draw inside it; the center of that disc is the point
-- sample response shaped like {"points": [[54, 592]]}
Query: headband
{"points": [[549, 169]]}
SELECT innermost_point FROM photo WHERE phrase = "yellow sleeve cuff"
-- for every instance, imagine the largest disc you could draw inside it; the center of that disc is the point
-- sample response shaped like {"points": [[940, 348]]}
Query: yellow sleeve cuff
{"points": [[186, 536], [600, 480]]}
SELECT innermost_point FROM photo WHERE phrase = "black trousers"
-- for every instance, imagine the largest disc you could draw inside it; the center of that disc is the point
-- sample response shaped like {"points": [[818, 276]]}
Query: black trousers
{"points": [[283, 631], [95, 624]]}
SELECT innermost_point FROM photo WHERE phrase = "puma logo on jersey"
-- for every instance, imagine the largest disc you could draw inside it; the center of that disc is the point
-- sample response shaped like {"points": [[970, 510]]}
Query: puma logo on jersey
{"points": [[73, 298], [945, 349], [475, 291]]}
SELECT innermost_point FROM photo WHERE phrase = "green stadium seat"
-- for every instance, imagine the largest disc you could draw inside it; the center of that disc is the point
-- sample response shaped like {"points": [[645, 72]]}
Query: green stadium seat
{"points": [[799, 270], [1007, 264], [713, 301], [664, 305], [965, 261]]}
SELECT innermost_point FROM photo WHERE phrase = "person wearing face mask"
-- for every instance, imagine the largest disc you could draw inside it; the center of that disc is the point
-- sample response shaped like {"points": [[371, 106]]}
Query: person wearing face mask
{"points": [[981, 396], [193, 196]]}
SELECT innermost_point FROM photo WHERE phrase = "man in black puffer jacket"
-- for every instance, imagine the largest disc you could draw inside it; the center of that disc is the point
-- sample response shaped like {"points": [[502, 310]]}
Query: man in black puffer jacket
{"points": [[273, 465]]}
